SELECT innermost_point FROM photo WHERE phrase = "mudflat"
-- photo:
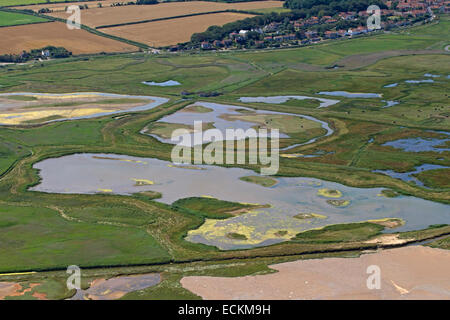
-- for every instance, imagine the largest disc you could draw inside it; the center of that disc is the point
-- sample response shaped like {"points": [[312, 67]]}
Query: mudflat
{"points": [[414, 272]]}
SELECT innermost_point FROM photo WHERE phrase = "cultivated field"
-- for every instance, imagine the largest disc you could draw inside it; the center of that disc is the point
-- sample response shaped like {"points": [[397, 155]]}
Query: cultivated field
{"points": [[27, 37], [61, 6], [14, 19], [173, 31], [95, 17], [23, 2]]}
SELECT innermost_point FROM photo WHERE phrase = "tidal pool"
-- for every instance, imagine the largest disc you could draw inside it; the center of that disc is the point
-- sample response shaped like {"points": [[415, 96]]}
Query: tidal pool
{"points": [[324, 103], [389, 103], [409, 176], [117, 287], [218, 116], [351, 94], [419, 144], [420, 81], [169, 83], [430, 75], [93, 173]]}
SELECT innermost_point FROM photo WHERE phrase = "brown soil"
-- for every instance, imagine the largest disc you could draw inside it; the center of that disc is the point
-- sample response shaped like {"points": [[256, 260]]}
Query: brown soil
{"points": [[8, 289], [413, 272], [27, 37]]}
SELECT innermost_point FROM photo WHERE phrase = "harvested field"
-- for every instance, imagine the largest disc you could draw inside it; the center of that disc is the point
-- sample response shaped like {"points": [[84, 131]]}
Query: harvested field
{"points": [[170, 32], [27, 37], [61, 6], [414, 272], [107, 15]]}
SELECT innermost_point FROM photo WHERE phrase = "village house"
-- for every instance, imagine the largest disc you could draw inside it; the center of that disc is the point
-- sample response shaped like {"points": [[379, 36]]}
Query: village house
{"points": [[227, 42], [243, 33], [45, 54], [311, 34], [331, 34], [205, 45]]}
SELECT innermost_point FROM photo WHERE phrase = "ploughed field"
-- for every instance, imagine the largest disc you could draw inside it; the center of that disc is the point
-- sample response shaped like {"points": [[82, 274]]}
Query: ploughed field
{"points": [[173, 29]]}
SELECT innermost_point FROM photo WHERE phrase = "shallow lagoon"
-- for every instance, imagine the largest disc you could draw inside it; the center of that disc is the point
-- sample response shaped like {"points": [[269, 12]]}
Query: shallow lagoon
{"points": [[89, 173], [154, 102], [216, 117], [419, 144]]}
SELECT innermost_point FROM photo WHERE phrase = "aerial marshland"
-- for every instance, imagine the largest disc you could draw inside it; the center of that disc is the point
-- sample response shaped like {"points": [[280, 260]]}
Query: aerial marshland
{"points": [[101, 192]]}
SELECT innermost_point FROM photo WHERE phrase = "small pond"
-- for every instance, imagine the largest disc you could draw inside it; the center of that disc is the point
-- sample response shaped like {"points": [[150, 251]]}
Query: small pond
{"points": [[351, 94], [324, 103]]}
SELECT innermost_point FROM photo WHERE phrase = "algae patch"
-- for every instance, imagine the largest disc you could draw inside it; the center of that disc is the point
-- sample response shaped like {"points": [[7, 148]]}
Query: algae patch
{"points": [[339, 203], [329, 193], [262, 181], [304, 216], [142, 182]]}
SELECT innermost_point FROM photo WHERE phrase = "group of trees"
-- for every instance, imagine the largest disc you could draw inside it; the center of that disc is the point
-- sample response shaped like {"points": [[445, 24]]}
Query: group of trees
{"points": [[146, 2], [218, 33], [325, 7], [54, 52]]}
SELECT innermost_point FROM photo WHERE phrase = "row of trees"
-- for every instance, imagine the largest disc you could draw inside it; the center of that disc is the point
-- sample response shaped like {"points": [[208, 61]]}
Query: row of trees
{"points": [[146, 2], [325, 7]]}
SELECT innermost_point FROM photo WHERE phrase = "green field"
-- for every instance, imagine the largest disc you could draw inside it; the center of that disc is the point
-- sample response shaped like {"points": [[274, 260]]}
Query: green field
{"points": [[15, 19], [8, 3], [42, 231], [27, 232]]}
